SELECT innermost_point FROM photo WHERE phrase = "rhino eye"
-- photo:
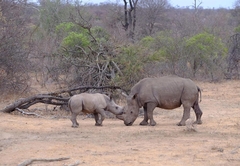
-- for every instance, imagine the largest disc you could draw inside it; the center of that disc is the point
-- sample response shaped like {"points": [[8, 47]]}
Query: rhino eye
{"points": [[116, 107], [131, 112]]}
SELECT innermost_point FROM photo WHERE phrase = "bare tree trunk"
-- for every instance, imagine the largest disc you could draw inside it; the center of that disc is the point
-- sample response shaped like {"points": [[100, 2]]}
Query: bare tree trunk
{"points": [[234, 56], [125, 25], [134, 21], [130, 18], [196, 18]]}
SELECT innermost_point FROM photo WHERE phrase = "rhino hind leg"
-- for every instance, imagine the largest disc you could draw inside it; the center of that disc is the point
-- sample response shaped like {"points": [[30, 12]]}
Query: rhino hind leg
{"points": [[198, 113], [186, 115], [74, 120]]}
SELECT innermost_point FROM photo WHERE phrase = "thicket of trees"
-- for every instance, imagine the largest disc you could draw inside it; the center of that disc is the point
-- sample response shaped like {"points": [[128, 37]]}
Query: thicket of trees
{"points": [[71, 44]]}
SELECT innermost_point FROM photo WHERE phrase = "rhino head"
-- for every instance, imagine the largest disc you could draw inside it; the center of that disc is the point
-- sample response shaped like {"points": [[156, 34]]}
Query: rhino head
{"points": [[130, 111], [113, 107]]}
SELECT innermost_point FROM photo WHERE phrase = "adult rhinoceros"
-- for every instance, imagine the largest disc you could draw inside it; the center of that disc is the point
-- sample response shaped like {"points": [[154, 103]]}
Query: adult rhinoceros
{"points": [[167, 92], [92, 103]]}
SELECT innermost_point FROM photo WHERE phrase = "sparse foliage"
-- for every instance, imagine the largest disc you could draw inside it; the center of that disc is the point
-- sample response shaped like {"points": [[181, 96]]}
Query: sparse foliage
{"points": [[131, 63], [87, 51], [205, 53], [14, 46]]}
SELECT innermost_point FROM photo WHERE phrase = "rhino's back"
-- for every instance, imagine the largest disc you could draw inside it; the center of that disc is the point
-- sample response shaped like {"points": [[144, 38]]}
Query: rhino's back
{"points": [[169, 91], [88, 102]]}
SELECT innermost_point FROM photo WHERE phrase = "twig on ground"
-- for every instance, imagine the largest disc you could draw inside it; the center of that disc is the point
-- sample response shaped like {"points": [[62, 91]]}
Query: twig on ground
{"points": [[27, 162], [28, 113], [34, 114], [75, 164], [235, 150]]}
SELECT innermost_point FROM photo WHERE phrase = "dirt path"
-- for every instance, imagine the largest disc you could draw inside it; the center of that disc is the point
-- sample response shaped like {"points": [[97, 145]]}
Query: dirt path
{"points": [[216, 142]]}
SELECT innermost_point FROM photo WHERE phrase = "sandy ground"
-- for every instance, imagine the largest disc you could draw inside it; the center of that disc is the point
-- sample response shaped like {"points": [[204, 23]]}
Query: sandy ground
{"points": [[215, 143]]}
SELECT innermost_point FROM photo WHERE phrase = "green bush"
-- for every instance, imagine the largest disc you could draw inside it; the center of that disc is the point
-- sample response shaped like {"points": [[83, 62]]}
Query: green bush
{"points": [[204, 52]]}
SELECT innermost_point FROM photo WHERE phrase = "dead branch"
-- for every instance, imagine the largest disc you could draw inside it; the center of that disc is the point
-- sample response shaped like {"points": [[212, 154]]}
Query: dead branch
{"points": [[25, 103], [28, 162], [116, 66]]}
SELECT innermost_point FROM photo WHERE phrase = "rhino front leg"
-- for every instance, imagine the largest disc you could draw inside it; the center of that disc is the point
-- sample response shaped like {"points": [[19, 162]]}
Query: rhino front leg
{"points": [[96, 119], [186, 115], [149, 114], [74, 120], [150, 108], [145, 120], [100, 120]]}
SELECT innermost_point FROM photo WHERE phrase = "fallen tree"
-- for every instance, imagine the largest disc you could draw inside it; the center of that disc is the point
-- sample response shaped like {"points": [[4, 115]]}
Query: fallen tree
{"points": [[59, 98]]}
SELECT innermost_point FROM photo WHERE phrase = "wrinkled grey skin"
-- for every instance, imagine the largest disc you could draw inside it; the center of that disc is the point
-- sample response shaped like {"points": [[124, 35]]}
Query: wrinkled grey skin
{"points": [[167, 92], [92, 103]]}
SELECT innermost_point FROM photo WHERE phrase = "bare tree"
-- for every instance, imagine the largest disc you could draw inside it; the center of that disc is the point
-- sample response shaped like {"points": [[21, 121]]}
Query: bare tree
{"points": [[111, 17], [130, 18], [152, 14], [236, 12], [234, 57], [196, 19]]}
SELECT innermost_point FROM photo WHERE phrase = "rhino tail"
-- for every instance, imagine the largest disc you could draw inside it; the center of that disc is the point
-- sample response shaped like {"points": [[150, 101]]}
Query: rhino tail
{"points": [[69, 105], [200, 94]]}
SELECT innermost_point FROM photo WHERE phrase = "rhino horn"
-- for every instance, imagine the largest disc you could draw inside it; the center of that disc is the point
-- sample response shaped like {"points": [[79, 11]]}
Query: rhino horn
{"points": [[120, 117]]}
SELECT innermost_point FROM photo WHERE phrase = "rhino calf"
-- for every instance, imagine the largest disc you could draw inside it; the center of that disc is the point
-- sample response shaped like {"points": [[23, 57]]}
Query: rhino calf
{"points": [[167, 92], [92, 103]]}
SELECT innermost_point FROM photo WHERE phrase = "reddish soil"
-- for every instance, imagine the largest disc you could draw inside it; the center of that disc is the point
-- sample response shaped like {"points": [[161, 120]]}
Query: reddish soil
{"points": [[215, 143]]}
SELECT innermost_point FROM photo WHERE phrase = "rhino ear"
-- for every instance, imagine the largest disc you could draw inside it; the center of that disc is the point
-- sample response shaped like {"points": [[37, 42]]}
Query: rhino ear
{"points": [[133, 96], [111, 97]]}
